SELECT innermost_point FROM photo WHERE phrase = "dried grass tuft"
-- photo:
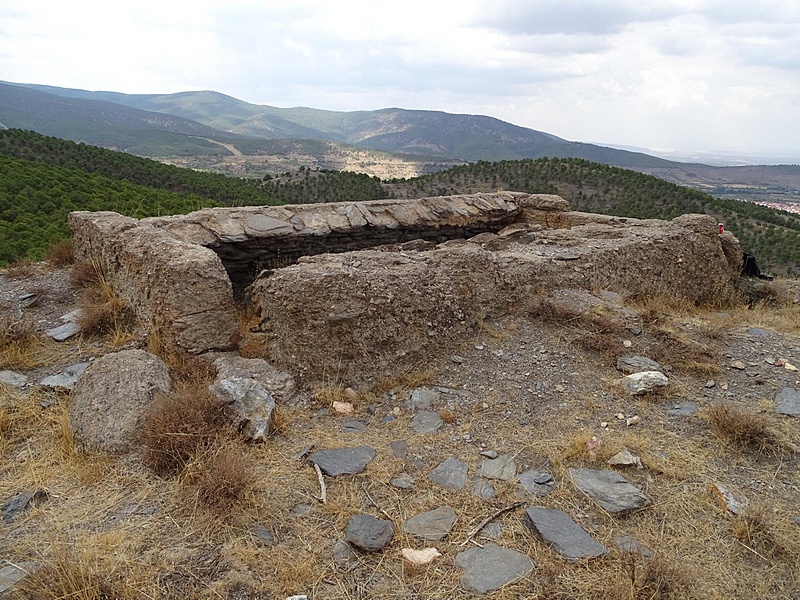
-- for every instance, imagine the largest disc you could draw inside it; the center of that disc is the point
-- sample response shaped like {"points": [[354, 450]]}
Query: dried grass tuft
{"points": [[178, 426], [742, 429], [61, 254], [21, 268], [222, 474], [758, 530]]}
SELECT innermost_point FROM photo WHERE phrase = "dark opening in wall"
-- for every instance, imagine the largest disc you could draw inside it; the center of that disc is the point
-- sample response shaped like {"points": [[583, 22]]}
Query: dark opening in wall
{"points": [[244, 260]]}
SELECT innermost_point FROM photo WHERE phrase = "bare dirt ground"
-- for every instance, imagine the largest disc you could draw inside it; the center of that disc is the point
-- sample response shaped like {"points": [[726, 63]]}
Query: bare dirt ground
{"points": [[539, 390]]}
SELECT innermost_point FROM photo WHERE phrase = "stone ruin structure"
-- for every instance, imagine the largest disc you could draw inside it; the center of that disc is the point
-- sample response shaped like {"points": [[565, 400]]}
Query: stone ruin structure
{"points": [[372, 285]]}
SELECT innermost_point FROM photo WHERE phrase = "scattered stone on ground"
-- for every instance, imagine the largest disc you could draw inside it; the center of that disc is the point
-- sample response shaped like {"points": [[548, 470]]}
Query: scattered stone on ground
{"points": [[491, 531], [279, 383], [352, 425], [610, 490], [628, 543], [399, 448], [503, 467], [263, 535], [625, 458], [735, 503], [426, 422], [403, 481], [787, 402], [343, 408], [111, 397], [682, 409], [433, 525], [369, 533], [344, 557], [15, 507], [492, 567], [13, 379], [343, 461], [483, 489], [451, 474], [422, 399], [644, 382], [536, 483], [636, 364], [66, 379], [65, 331], [249, 405], [420, 557], [563, 534], [10, 575], [738, 365]]}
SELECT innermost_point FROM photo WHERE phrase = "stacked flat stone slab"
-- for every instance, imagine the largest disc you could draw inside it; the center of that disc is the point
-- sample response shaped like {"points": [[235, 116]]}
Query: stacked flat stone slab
{"points": [[377, 309]]}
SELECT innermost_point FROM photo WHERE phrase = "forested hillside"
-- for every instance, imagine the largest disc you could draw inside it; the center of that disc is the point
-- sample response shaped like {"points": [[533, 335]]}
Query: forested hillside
{"points": [[43, 178], [772, 236]]}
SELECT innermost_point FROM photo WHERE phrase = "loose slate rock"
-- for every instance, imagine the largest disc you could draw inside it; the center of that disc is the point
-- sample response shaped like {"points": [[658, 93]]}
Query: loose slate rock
{"points": [[16, 506], [249, 404], [11, 575], [13, 379], [426, 422], [432, 525], [351, 425], [610, 490], [629, 544], [563, 534], [343, 461], [403, 481], [451, 474], [369, 533], [483, 489], [536, 483], [64, 332], [636, 364], [788, 402], [682, 409], [492, 567], [422, 399], [67, 379], [503, 467], [644, 382], [399, 448]]}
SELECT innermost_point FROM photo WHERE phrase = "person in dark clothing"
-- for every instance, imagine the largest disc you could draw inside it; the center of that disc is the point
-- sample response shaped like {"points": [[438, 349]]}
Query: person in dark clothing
{"points": [[750, 268]]}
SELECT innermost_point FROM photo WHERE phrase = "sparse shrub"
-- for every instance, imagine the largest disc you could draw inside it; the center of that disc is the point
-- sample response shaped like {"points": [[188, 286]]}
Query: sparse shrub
{"points": [[86, 273], [61, 254], [684, 353], [17, 341], [757, 529], [741, 428], [178, 426], [222, 475], [68, 576], [662, 578], [20, 269]]}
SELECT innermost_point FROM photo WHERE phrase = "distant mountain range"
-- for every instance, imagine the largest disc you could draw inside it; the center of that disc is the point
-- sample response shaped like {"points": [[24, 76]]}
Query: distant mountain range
{"points": [[197, 122], [215, 132]]}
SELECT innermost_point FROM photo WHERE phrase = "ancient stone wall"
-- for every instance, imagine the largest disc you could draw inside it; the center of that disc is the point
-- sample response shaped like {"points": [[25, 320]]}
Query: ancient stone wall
{"points": [[383, 308]]}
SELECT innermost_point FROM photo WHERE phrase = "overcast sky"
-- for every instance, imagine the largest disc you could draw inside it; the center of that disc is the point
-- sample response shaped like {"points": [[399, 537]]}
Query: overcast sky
{"points": [[687, 75]]}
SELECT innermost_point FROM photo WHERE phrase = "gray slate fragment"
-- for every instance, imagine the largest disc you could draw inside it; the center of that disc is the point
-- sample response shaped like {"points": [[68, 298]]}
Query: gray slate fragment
{"points": [[64, 332], [636, 364], [451, 474], [491, 531], [399, 448], [563, 534], [628, 543], [610, 490], [10, 575], [67, 379], [432, 525], [27, 300], [343, 556], [682, 409], [343, 461], [503, 467], [483, 489], [788, 402], [16, 506], [403, 481], [492, 567], [249, 404], [351, 425], [426, 422], [13, 379], [422, 399], [758, 332], [279, 383], [263, 535], [643, 382], [536, 483], [368, 533]]}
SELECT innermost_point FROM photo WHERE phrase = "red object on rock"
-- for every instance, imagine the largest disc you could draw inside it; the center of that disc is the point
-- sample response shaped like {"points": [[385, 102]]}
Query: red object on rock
{"points": [[721, 228]]}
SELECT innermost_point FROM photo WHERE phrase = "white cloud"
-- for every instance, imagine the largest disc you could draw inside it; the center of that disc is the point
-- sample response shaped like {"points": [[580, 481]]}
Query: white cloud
{"points": [[690, 74]]}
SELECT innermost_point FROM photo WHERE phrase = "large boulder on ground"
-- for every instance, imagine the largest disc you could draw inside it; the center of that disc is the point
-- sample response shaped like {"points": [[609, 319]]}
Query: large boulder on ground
{"points": [[112, 396]]}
